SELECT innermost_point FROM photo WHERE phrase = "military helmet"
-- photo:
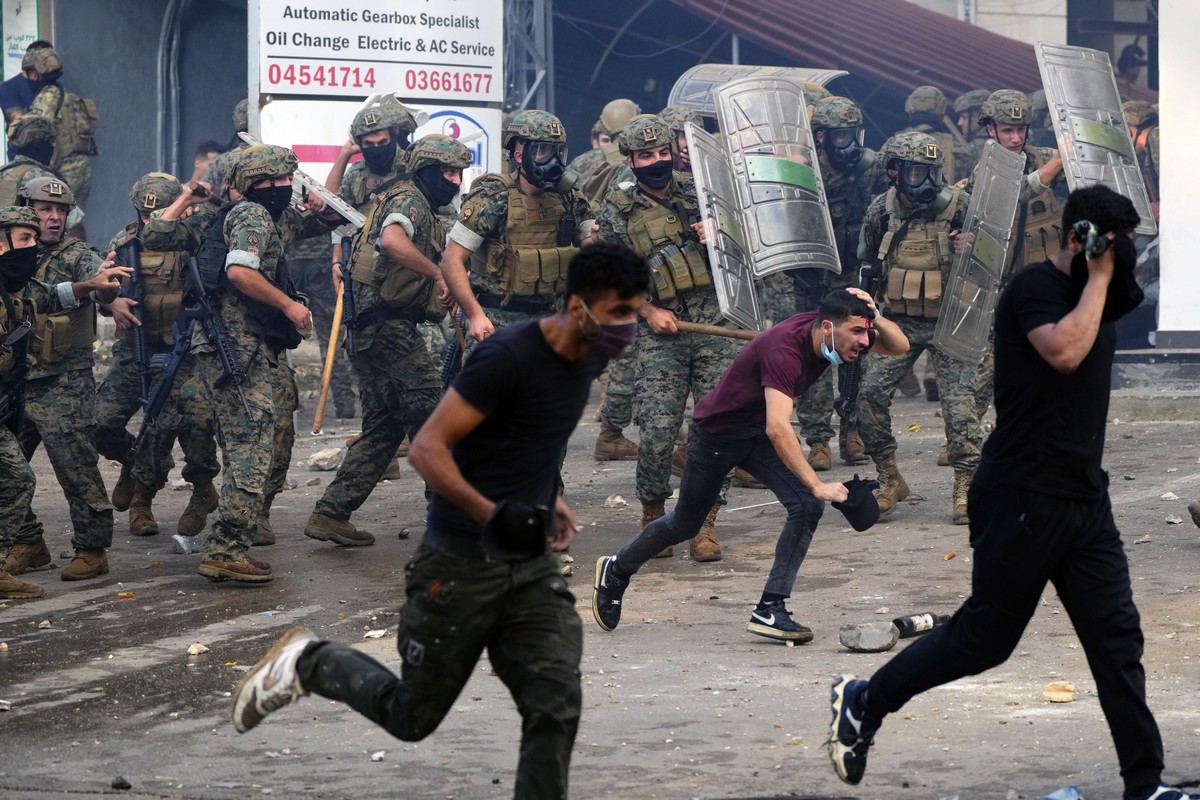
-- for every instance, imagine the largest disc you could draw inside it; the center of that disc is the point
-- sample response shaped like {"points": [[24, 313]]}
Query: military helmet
{"points": [[437, 149], [153, 191], [617, 113], [676, 116], [221, 170], [51, 190], [20, 217], [1038, 101], [926, 100], [44, 60], [534, 126], [969, 101], [1006, 107], [31, 129], [262, 161], [643, 132], [1139, 113], [395, 118], [813, 92], [241, 116], [912, 146], [835, 112], [598, 128]]}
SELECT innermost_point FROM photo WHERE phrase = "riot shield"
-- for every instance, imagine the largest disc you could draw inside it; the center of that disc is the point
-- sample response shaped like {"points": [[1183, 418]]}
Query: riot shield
{"points": [[720, 210], [696, 88], [1093, 138], [964, 326]]}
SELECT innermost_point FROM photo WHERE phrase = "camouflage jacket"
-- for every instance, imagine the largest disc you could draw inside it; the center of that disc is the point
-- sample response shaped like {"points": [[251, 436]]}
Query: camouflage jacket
{"points": [[875, 224], [847, 195], [165, 235], [359, 183], [585, 164], [72, 261], [17, 172]]}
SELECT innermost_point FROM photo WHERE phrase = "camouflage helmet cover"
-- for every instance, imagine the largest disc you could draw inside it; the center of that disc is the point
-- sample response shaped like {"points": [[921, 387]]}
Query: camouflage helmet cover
{"points": [[676, 116], [241, 116], [969, 101], [262, 161], [221, 170], [395, 118], [437, 149], [912, 146], [43, 60], [813, 92], [30, 129], [926, 100], [535, 126], [617, 113], [644, 132], [1006, 107], [835, 112], [51, 190], [153, 191], [20, 217], [1139, 112]]}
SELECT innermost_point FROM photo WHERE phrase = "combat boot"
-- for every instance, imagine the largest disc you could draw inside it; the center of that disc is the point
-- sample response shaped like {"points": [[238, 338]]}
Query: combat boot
{"points": [[13, 588], [931, 390], [86, 564], [704, 544], [850, 445], [611, 445], [892, 487], [679, 460], [404, 447], [204, 501], [909, 387], [944, 456], [122, 494], [962, 482], [264, 533], [324, 528], [819, 457], [25, 556], [651, 512], [141, 517]]}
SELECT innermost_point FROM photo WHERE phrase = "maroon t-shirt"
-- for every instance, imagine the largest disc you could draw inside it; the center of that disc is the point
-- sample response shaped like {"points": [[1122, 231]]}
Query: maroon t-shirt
{"points": [[780, 357]]}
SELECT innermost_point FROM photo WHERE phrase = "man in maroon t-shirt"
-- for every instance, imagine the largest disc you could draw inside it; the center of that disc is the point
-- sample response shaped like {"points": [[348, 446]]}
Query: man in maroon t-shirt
{"points": [[746, 421]]}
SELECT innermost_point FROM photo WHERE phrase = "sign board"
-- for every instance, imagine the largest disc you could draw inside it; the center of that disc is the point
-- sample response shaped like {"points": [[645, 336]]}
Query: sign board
{"points": [[447, 51], [19, 24]]}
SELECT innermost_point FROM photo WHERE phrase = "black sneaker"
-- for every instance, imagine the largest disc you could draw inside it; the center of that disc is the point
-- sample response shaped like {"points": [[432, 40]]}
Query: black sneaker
{"points": [[849, 737], [1163, 792], [774, 621], [606, 594]]}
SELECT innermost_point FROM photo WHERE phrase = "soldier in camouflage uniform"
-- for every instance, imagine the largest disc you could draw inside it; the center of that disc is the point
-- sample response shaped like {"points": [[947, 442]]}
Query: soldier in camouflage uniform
{"points": [[966, 110], [926, 107], [32, 139], [380, 133], [658, 218], [613, 117], [185, 416], [907, 235], [506, 256], [396, 284], [309, 261], [60, 393], [18, 259], [256, 441]]}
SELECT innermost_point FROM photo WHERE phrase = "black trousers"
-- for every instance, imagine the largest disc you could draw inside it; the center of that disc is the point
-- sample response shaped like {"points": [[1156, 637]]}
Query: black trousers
{"points": [[1021, 540]]}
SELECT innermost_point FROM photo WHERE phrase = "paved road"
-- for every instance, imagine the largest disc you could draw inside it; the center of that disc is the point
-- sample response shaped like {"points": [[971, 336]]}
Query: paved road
{"points": [[680, 701]]}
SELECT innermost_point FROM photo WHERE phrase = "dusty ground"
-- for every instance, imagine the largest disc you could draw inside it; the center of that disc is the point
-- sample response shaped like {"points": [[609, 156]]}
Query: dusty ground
{"points": [[679, 701]]}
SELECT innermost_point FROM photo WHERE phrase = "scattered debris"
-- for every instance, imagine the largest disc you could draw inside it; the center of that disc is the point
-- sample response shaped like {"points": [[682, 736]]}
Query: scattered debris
{"points": [[186, 545], [869, 637], [949, 555], [378, 755], [1174, 519], [615, 501], [376, 634], [45, 625], [1143, 539], [120, 783], [1060, 692], [126, 595], [3, 647], [326, 460], [313, 482], [405, 533], [1169, 497], [1127, 477], [197, 649], [5, 705]]}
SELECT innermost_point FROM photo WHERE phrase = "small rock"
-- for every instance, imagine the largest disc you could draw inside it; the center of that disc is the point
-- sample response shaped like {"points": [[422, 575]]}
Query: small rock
{"points": [[45, 625], [196, 649], [566, 570], [376, 634], [1172, 469], [3, 647], [313, 482], [869, 637], [325, 460], [5, 705], [288, 485], [883, 610], [615, 501], [186, 545], [404, 533], [1169, 497], [378, 755], [566, 558], [180, 486], [1144, 539], [1127, 477], [120, 783], [1174, 519], [1060, 692]]}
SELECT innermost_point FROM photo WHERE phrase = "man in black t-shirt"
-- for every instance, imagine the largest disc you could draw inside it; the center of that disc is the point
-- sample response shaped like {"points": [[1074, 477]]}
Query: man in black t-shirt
{"points": [[484, 576], [1039, 505]]}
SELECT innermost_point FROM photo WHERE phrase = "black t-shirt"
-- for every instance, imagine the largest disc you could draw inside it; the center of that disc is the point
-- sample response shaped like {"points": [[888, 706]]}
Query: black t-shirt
{"points": [[1049, 435], [533, 398]]}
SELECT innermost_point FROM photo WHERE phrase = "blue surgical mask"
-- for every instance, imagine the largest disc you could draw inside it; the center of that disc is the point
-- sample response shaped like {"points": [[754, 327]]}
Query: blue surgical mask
{"points": [[829, 354]]}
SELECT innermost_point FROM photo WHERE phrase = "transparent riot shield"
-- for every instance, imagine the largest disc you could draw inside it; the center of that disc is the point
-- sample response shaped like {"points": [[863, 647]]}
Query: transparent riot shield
{"points": [[964, 326], [720, 210], [696, 88], [1093, 138]]}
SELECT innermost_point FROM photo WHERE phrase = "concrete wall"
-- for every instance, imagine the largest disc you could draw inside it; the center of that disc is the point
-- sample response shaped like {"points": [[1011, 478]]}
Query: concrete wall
{"points": [[1029, 21]]}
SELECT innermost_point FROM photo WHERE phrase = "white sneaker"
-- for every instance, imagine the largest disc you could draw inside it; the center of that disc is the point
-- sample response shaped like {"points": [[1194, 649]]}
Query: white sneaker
{"points": [[273, 682]]}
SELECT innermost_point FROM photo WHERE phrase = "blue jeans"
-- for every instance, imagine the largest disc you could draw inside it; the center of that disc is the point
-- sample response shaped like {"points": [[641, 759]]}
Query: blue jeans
{"points": [[710, 457]]}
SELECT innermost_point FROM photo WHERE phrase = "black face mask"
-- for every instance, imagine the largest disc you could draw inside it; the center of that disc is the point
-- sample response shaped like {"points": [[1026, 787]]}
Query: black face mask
{"points": [[437, 190], [17, 267], [275, 199], [656, 175], [40, 152], [1124, 294], [379, 158]]}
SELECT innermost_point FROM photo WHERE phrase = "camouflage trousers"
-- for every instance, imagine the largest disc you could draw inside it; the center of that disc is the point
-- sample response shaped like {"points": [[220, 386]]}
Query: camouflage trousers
{"points": [[617, 411], [399, 387], [314, 278], [60, 413], [17, 483], [669, 368], [501, 319], [815, 408], [256, 448], [186, 416], [956, 386]]}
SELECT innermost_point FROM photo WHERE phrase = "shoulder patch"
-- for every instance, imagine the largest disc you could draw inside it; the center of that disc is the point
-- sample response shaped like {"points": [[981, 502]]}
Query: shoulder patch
{"points": [[466, 213]]}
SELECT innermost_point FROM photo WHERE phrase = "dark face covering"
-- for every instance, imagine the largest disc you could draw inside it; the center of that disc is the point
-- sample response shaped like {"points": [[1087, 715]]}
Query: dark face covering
{"points": [[17, 267], [437, 190], [656, 175], [275, 199], [40, 152], [379, 158], [1124, 294]]}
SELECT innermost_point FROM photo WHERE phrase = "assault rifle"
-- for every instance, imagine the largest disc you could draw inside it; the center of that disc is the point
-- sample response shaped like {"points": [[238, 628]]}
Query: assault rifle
{"points": [[349, 313], [130, 255], [12, 386], [201, 307], [167, 364]]}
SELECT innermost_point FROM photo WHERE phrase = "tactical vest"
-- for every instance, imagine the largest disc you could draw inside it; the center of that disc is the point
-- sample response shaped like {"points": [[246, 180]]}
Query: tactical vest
{"points": [[540, 239], [918, 264], [10, 180], [398, 287], [662, 235], [162, 286], [55, 335], [76, 120], [1039, 239], [12, 317]]}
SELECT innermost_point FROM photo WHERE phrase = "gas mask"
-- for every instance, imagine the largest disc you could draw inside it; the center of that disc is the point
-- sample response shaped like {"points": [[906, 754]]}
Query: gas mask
{"points": [[543, 163], [920, 183], [437, 190], [843, 146]]}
